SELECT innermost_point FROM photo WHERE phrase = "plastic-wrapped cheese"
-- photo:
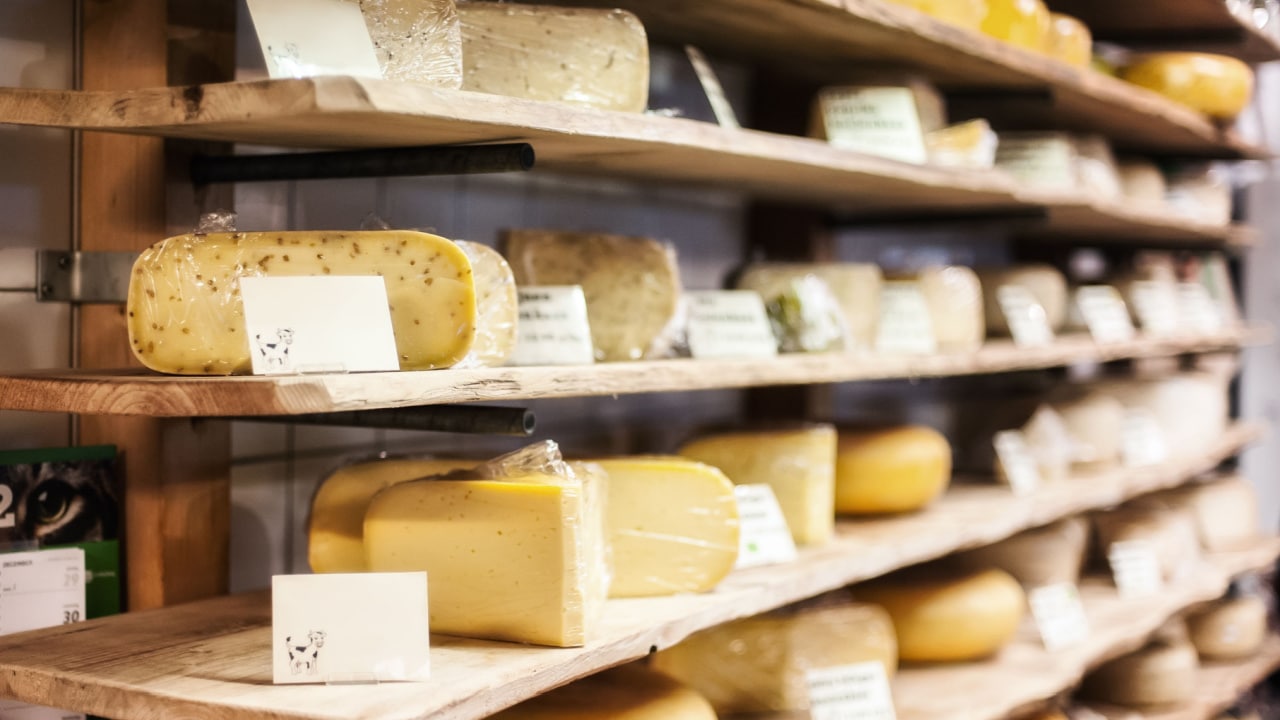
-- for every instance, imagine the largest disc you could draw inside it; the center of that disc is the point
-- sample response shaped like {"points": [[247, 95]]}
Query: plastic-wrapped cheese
{"points": [[1200, 193], [672, 525], [963, 13], [1163, 672], [1044, 282], [940, 617], [497, 307], [759, 664], [890, 470], [856, 287], [186, 316], [1216, 85], [1142, 184], [1044, 556], [598, 58], [1191, 408], [630, 692], [1229, 629], [953, 295], [970, 145], [632, 285], [799, 464], [416, 40], [1095, 422], [1225, 511], [1024, 23], [1169, 532], [1069, 40]]}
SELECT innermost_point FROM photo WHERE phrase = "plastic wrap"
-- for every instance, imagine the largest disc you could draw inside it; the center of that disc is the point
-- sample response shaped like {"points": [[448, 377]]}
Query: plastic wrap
{"points": [[1069, 40], [968, 145], [186, 317], [1169, 532], [759, 664], [1201, 193], [1230, 629], [799, 464], [882, 114], [963, 13], [1095, 422], [596, 58], [945, 616], [632, 285], [1191, 408], [497, 307], [1163, 672], [805, 317], [1142, 184], [1216, 85], [890, 470], [1024, 23], [672, 525], [416, 40], [953, 295], [1225, 511], [1044, 556], [630, 692], [515, 548], [1044, 282], [856, 287]]}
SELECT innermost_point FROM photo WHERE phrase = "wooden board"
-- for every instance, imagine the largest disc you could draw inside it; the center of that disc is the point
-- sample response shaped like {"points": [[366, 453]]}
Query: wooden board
{"points": [[211, 659], [1205, 25], [135, 392]]}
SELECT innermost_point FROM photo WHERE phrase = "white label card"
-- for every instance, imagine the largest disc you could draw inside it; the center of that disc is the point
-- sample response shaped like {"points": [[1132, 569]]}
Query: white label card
{"points": [[1156, 305], [553, 327], [1042, 162], [1135, 568], [1142, 441], [348, 628], [725, 324], [881, 121], [306, 38], [41, 589], [328, 323], [1199, 313], [850, 692], [711, 86], [1028, 322], [1059, 615], [1104, 313], [1018, 465], [905, 328], [763, 535]]}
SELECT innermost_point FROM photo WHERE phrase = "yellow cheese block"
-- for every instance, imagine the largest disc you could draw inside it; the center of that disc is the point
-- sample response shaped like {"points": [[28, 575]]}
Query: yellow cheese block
{"points": [[856, 287], [1069, 40], [759, 664], [1162, 673], [597, 58], [416, 40], [1229, 629], [672, 525], [1216, 85], [1044, 556], [497, 307], [1225, 511], [512, 559], [630, 692], [186, 316], [798, 464], [335, 530], [890, 470], [1024, 23], [967, 14], [948, 618], [1045, 283]]}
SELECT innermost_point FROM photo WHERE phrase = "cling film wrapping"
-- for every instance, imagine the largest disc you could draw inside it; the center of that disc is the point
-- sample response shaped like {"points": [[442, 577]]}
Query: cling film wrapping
{"points": [[855, 286], [953, 295], [497, 307], [417, 41]]}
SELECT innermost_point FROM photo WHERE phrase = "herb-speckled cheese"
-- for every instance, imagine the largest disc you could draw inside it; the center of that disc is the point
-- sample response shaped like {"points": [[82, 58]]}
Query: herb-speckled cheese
{"points": [[416, 40]]}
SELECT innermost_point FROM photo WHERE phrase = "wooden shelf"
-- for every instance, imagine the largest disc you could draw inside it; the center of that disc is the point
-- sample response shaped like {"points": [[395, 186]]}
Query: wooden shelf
{"points": [[1074, 219], [211, 659], [1205, 25]]}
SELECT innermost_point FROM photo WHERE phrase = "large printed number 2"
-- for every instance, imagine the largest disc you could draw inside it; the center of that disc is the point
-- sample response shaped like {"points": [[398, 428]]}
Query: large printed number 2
{"points": [[7, 518]]}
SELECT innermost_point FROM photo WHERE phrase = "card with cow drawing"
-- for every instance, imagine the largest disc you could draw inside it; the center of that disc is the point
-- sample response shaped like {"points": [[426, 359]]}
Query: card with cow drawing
{"points": [[350, 628]]}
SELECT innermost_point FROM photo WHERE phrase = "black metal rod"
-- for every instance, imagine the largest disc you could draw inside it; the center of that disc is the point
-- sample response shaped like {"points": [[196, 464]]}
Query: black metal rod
{"points": [[381, 162], [469, 419]]}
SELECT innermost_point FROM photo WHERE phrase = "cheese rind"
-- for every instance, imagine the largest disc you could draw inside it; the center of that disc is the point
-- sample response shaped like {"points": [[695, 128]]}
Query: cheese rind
{"points": [[856, 287], [497, 307], [1229, 629], [890, 470], [1225, 511], [416, 40], [1044, 556], [630, 692], [186, 316], [1045, 283], [1164, 672]]}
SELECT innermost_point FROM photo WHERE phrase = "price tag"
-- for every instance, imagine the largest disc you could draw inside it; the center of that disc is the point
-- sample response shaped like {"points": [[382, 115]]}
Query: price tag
{"points": [[905, 328], [1026, 317], [41, 589], [725, 324], [763, 535], [306, 38], [553, 327], [1046, 162], [710, 82], [1017, 465], [1142, 441], [1059, 615], [1135, 568], [318, 324], [850, 692], [882, 121], [1200, 314], [1156, 305], [1104, 313]]}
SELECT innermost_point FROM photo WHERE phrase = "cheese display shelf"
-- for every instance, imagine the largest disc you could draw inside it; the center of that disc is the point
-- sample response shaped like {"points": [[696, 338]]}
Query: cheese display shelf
{"points": [[212, 658], [141, 392], [1207, 25]]}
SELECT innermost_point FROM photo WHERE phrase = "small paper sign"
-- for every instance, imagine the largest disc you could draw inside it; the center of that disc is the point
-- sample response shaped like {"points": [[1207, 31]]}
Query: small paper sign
{"points": [[1156, 305], [1142, 441], [307, 38], [1018, 466], [1135, 568], [553, 327], [1104, 313], [1028, 322], [41, 589], [881, 121], [326, 323], [1044, 162], [726, 324], [850, 692], [714, 90], [350, 628], [1059, 615], [1199, 312], [763, 535], [905, 328]]}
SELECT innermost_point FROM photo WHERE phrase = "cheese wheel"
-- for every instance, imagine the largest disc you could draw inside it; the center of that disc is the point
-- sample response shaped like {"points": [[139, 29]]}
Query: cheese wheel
{"points": [[1095, 422], [1229, 629], [855, 286], [940, 618], [1191, 408], [1024, 23], [630, 692], [890, 470], [1169, 532], [1142, 184], [1216, 85], [759, 664], [1044, 556], [416, 40], [1069, 40], [497, 307], [1225, 511], [1162, 673], [1045, 283], [967, 14]]}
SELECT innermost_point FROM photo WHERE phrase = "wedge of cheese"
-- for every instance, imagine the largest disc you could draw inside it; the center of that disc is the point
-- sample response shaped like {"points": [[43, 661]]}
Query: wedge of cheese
{"points": [[1229, 629], [186, 317], [630, 692], [596, 58], [856, 287], [511, 559], [632, 285], [954, 297], [1044, 556], [497, 307], [759, 664], [672, 525], [335, 529], [1045, 283], [799, 465], [1162, 673], [416, 40], [890, 470], [1225, 511]]}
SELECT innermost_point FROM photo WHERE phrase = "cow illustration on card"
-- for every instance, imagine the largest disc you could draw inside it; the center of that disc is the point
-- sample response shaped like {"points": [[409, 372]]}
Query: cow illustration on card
{"points": [[304, 652], [274, 349]]}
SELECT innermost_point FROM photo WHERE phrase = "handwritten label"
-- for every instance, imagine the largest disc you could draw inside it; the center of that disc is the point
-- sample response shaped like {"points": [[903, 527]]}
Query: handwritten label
{"points": [[882, 121], [1017, 465], [710, 82], [1045, 162], [1104, 313], [41, 589], [306, 38], [1028, 322], [729, 324], [850, 692], [1156, 305], [906, 327], [1199, 313], [1142, 441], [1135, 568], [553, 327], [1059, 615], [763, 535]]}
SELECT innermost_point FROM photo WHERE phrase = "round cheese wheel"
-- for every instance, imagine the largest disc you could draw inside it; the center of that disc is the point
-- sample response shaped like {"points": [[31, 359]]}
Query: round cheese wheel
{"points": [[1225, 511], [1044, 282], [630, 692], [1191, 408], [941, 618], [1069, 40], [1142, 183], [1095, 422], [1216, 85], [1169, 532], [890, 470], [1024, 23], [1035, 558], [1229, 629], [1159, 674]]}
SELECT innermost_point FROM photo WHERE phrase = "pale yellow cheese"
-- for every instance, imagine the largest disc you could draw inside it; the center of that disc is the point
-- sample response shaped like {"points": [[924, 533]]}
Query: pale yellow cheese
{"points": [[672, 525], [1169, 532], [1191, 408], [416, 40], [630, 692], [1164, 672], [497, 307], [186, 317], [1044, 282], [1142, 184], [856, 287], [759, 664], [1044, 556], [970, 145], [1229, 629], [513, 559], [954, 297], [1049, 442], [596, 58], [890, 470], [799, 465], [1095, 422], [1225, 511], [1200, 193]]}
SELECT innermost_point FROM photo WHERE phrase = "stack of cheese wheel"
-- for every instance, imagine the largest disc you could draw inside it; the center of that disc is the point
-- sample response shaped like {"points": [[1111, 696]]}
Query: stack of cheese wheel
{"points": [[1161, 673], [1043, 556], [890, 470], [1168, 532]]}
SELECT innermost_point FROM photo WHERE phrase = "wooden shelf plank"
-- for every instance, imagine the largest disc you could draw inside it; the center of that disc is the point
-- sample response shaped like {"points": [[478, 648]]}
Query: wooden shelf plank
{"points": [[211, 659], [138, 392], [1205, 25]]}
